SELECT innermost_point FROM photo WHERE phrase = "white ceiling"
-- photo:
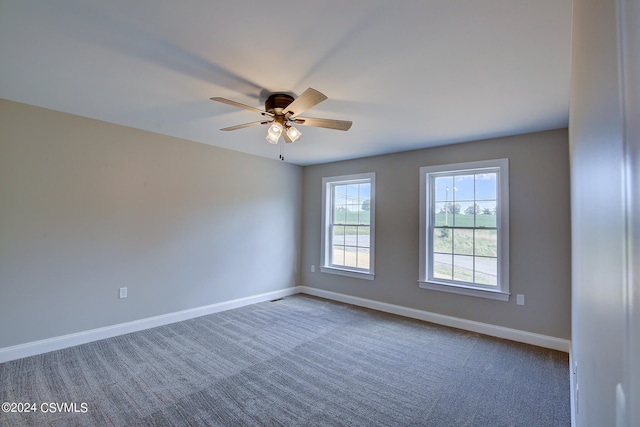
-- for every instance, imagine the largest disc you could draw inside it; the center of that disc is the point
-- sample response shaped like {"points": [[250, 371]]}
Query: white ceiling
{"points": [[408, 73]]}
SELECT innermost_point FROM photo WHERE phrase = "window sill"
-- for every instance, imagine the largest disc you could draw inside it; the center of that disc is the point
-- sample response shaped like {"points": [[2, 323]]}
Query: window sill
{"points": [[348, 273], [464, 290]]}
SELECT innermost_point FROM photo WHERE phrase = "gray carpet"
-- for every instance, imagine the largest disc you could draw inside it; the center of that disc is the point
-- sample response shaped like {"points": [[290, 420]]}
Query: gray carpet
{"points": [[299, 361]]}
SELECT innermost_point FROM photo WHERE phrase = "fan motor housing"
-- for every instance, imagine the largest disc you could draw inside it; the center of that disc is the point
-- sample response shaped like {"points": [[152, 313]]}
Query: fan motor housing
{"points": [[277, 100]]}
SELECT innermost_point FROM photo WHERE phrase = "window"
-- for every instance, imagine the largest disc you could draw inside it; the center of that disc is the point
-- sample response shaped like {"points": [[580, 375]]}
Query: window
{"points": [[464, 228], [348, 225]]}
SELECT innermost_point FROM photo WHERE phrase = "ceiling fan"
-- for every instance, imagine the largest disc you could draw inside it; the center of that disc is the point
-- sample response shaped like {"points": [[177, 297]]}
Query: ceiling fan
{"points": [[283, 111]]}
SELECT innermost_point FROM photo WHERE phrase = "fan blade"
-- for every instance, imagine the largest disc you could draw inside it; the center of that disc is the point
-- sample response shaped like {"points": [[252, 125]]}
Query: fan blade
{"points": [[246, 125], [237, 104], [306, 100], [324, 123]]}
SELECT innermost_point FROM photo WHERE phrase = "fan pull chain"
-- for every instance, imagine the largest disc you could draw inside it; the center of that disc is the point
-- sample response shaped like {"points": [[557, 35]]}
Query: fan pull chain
{"points": [[282, 151]]}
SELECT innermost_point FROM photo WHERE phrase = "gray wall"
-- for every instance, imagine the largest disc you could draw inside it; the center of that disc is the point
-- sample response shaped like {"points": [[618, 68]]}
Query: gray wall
{"points": [[539, 232], [601, 223], [87, 207]]}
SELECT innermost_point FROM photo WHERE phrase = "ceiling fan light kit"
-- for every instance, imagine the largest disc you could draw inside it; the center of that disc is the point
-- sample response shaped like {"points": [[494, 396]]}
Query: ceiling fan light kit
{"points": [[293, 134], [274, 132], [282, 111]]}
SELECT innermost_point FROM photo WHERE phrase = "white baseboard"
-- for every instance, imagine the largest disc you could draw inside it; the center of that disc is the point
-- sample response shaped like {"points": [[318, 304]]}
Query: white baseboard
{"points": [[441, 319], [64, 341]]}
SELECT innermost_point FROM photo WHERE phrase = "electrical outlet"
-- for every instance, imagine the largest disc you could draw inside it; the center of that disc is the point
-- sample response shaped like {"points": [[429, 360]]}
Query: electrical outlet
{"points": [[123, 293], [520, 299], [313, 268]]}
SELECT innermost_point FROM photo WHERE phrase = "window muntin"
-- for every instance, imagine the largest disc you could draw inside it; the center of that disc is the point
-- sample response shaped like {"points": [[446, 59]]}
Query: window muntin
{"points": [[464, 228], [348, 225]]}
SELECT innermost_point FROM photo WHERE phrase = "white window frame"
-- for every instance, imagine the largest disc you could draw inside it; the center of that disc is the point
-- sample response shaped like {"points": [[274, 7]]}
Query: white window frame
{"points": [[426, 280], [328, 183]]}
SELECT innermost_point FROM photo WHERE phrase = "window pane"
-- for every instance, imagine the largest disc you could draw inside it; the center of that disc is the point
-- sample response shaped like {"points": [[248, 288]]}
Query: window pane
{"points": [[442, 240], [443, 214], [487, 271], [350, 257], [350, 235], [338, 235], [340, 214], [352, 193], [363, 237], [340, 194], [442, 266], [463, 242], [452, 209], [487, 216], [486, 242], [486, 187], [352, 214], [443, 188], [463, 187], [338, 255], [364, 216], [464, 215], [463, 268], [365, 191], [363, 258]]}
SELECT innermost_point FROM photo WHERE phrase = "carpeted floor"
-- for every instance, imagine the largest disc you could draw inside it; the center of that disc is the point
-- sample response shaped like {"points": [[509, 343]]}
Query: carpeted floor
{"points": [[299, 361]]}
